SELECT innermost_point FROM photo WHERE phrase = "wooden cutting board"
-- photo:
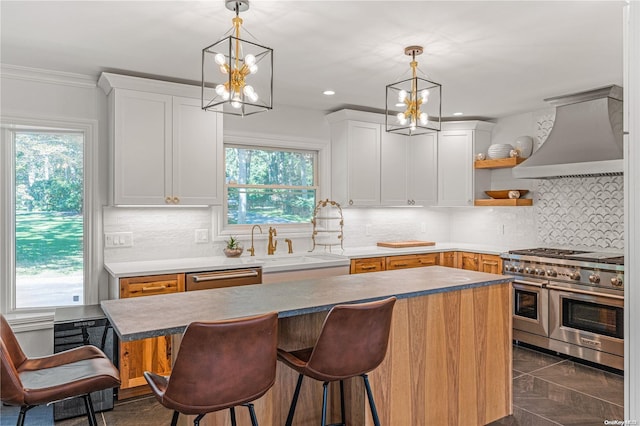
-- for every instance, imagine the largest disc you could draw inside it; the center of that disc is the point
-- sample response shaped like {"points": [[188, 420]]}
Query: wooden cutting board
{"points": [[408, 243]]}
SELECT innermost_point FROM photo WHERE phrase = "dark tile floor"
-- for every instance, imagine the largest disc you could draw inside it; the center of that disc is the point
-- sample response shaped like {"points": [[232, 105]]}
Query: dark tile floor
{"points": [[547, 390]]}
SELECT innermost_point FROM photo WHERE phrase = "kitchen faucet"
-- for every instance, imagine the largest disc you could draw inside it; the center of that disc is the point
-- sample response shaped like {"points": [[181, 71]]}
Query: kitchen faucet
{"points": [[252, 250], [271, 247]]}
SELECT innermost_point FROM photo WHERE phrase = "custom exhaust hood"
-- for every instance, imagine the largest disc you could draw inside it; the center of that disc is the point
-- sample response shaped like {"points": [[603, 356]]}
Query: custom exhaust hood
{"points": [[585, 140]]}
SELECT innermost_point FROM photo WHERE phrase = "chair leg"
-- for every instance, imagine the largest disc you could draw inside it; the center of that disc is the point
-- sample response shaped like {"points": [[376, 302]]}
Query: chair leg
{"points": [[325, 391], [91, 415], [23, 414], [196, 421], [292, 409], [174, 419], [372, 404], [252, 414], [233, 416], [342, 411]]}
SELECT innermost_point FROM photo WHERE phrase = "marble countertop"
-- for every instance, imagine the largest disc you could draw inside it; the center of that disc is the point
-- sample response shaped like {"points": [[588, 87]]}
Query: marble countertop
{"points": [[142, 317], [280, 263]]}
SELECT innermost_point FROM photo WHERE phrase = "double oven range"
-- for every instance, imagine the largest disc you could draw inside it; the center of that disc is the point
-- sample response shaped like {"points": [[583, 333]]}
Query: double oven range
{"points": [[569, 301]]}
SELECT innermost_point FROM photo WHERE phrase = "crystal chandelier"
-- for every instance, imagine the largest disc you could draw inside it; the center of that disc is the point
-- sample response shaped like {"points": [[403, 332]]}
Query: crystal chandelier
{"points": [[237, 75], [413, 106]]}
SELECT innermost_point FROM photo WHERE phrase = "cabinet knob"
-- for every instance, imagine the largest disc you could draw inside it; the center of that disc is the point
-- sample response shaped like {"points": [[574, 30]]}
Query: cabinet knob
{"points": [[350, 202], [167, 200], [176, 200]]}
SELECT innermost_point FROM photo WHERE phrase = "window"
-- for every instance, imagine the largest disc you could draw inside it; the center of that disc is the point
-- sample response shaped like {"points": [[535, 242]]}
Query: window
{"points": [[269, 185], [46, 216]]}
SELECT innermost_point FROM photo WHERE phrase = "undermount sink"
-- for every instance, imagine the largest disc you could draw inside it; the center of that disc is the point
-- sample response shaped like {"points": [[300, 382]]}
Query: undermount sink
{"points": [[301, 261]]}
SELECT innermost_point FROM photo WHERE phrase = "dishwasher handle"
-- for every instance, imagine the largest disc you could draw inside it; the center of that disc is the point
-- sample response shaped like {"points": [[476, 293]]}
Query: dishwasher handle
{"points": [[225, 275]]}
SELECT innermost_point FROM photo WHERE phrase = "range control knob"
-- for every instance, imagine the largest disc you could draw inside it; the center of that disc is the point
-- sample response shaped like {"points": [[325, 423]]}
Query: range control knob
{"points": [[594, 278], [552, 273], [575, 275], [509, 268], [518, 269], [539, 271], [528, 270], [616, 281]]}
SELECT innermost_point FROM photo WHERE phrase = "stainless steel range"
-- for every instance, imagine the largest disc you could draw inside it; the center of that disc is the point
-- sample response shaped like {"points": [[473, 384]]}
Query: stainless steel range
{"points": [[569, 301]]}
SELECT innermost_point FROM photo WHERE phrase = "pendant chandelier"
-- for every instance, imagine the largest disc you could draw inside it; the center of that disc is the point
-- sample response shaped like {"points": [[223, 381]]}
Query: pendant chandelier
{"points": [[413, 106], [237, 75]]}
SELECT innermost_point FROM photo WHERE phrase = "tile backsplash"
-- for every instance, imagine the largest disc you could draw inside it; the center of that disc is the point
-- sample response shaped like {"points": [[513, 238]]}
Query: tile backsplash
{"points": [[587, 211]]}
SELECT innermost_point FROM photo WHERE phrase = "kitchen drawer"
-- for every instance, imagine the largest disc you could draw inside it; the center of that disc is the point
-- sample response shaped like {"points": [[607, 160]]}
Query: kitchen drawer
{"points": [[370, 264], [412, 261], [150, 285], [490, 263], [448, 258], [469, 261]]}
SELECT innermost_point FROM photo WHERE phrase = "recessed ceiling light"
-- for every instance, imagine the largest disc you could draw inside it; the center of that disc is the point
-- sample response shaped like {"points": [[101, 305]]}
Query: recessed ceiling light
{"points": [[329, 93], [458, 113]]}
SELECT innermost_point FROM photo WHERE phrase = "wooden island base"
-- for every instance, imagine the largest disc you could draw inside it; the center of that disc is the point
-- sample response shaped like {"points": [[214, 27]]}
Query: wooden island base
{"points": [[449, 363]]}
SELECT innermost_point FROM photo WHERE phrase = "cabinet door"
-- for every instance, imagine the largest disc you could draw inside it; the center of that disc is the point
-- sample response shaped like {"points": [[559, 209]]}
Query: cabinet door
{"points": [[422, 170], [468, 261], [455, 168], [141, 150], [153, 354], [448, 258], [393, 170], [371, 264], [363, 162], [197, 153], [490, 263]]}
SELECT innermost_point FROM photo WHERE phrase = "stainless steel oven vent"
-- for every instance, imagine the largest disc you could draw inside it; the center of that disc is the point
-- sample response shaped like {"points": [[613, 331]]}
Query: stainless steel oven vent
{"points": [[586, 138]]}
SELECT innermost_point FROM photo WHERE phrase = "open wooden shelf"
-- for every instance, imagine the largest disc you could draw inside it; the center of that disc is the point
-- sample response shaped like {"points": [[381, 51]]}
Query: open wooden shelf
{"points": [[504, 202], [499, 163]]}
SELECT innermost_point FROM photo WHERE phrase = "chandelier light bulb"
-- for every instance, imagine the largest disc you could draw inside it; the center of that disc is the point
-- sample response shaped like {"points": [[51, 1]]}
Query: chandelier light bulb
{"points": [[402, 95], [220, 89], [220, 59], [402, 119], [424, 95], [424, 118], [223, 69], [248, 90], [253, 69], [226, 95], [250, 60], [236, 102], [413, 125]]}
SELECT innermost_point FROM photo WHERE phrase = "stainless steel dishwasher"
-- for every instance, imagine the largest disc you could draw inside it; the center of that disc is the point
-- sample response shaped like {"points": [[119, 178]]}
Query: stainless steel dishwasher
{"points": [[224, 278]]}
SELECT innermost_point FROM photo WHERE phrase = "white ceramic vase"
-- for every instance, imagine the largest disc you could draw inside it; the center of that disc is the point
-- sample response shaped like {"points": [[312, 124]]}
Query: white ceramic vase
{"points": [[524, 144]]}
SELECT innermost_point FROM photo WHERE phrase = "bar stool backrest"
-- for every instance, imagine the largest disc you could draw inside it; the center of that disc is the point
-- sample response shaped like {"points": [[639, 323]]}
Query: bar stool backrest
{"points": [[353, 340], [224, 364], [11, 357]]}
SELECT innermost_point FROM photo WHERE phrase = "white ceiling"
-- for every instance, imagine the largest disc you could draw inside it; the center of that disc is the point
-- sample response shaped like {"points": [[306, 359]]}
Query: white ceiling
{"points": [[492, 58]]}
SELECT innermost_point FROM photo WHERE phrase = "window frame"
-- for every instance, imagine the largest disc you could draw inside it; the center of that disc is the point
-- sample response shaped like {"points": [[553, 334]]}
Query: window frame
{"points": [[321, 172], [92, 259]]}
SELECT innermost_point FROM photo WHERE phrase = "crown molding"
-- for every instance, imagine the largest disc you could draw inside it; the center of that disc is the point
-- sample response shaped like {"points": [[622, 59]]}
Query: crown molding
{"points": [[39, 75]]}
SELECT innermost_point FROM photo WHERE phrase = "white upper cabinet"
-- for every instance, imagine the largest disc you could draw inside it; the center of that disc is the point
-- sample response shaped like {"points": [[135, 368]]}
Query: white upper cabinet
{"points": [[458, 142], [371, 167], [164, 150]]}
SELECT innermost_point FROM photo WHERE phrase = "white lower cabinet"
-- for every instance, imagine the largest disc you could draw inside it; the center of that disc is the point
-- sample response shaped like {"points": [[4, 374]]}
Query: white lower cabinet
{"points": [[164, 149], [458, 143], [371, 167]]}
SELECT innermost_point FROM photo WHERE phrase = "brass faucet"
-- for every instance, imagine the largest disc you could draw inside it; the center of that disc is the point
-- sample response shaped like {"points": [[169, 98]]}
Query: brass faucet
{"points": [[252, 250], [271, 247], [290, 244]]}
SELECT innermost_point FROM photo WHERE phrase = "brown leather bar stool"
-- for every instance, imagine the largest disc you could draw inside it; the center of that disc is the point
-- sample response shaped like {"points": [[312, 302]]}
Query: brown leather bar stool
{"points": [[28, 382], [353, 341], [220, 365]]}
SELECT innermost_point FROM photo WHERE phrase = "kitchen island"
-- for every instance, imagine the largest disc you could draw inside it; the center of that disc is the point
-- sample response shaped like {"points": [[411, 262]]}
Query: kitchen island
{"points": [[449, 357]]}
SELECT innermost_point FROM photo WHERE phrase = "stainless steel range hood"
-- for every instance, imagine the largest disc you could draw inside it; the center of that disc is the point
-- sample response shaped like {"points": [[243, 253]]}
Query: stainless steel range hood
{"points": [[586, 138]]}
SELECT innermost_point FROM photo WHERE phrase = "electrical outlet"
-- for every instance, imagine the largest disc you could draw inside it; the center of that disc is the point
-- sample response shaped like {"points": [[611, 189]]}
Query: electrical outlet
{"points": [[202, 236], [500, 229], [118, 239], [367, 229], [423, 227]]}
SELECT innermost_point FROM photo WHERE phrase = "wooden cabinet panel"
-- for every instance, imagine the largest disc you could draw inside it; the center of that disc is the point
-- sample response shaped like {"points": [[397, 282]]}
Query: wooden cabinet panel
{"points": [[448, 258], [369, 264], [153, 354], [490, 263], [469, 261], [412, 261]]}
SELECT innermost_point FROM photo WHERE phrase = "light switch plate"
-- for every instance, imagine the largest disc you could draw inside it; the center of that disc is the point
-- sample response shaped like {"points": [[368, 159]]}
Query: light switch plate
{"points": [[202, 236], [118, 239]]}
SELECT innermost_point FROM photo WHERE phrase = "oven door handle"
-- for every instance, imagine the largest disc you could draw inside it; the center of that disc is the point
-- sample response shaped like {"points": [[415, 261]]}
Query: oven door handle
{"points": [[590, 293], [532, 283]]}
